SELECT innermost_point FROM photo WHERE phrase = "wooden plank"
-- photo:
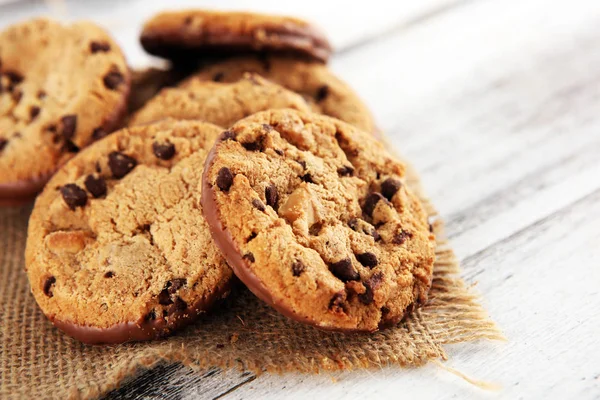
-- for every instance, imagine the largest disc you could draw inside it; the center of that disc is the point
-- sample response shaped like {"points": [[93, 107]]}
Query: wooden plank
{"points": [[176, 381]]}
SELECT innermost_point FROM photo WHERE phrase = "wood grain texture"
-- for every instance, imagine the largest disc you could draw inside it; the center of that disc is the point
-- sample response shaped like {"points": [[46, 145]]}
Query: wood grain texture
{"points": [[498, 106]]}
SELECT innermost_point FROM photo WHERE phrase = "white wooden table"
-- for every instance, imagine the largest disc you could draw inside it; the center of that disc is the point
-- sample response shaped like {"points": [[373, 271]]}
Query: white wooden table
{"points": [[497, 103]]}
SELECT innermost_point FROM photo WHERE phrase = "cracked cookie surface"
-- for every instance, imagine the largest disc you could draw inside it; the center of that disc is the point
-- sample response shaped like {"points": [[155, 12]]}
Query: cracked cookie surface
{"points": [[61, 87], [218, 102], [325, 93], [117, 248], [314, 217], [206, 33]]}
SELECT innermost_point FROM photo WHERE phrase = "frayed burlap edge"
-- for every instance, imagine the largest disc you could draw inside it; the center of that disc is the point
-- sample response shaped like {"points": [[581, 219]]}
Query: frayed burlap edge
{"points": [[39, 361]]}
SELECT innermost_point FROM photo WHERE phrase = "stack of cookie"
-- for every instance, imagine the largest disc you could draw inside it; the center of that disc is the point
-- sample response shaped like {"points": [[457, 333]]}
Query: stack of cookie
{"points": [[260, 164]]}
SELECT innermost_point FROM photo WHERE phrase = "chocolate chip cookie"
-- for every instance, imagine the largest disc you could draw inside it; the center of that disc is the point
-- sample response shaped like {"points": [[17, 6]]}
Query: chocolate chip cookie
{"points": [[117, 248], [314, 217], [61, 87], [207, 33], [325, 93], [219, 103]]}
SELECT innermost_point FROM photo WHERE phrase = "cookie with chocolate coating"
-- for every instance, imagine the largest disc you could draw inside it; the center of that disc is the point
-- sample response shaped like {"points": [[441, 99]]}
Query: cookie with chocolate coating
{"points": [[61, 87], [117, 248], [184, 34], [314, 217]]}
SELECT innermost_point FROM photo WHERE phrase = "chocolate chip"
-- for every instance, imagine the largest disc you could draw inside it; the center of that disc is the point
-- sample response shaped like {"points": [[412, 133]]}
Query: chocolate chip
{"points": [[69, 125], [322, 93], [96, 186], [430, 227], [14, 77], [401, 237], [271, 196], [251, 237], [366, 228], [258, 204], [70, 147], [307, 178], [389, 187], [385, 310], [98, 133], [175, 284], [113, 79], [315, 229], [187, 20], [73, 195], [370, 203], [3, 143], [34, 111], [48, 283], [278, 151], [367, 259], [218, 77], [344, 271], [370, 286], [41, 94], [227, 135], [120, 164], [95, 47], [253, 146], [164, 151], [224, 179], [109, 274], [249, 257], [180, 304], [336, 304], [345, 171], [298, 268], [164, 298]]}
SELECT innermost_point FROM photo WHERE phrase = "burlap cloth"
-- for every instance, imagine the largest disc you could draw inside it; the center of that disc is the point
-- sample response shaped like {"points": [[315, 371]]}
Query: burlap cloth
{"points": [[38, 361]]}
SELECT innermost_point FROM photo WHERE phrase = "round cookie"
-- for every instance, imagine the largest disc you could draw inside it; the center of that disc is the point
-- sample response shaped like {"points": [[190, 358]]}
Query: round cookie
{"points": [[314, 217], [60, 88], [326, 93], [209, 33], [219, 103], [117, 248]]}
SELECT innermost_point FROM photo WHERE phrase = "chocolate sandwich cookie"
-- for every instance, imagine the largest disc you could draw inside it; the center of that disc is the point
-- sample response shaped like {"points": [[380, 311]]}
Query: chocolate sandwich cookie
{"points": [[217, 102], [325, 93], [177, 35], [117, 248], [61, 87], [314, 217]]}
